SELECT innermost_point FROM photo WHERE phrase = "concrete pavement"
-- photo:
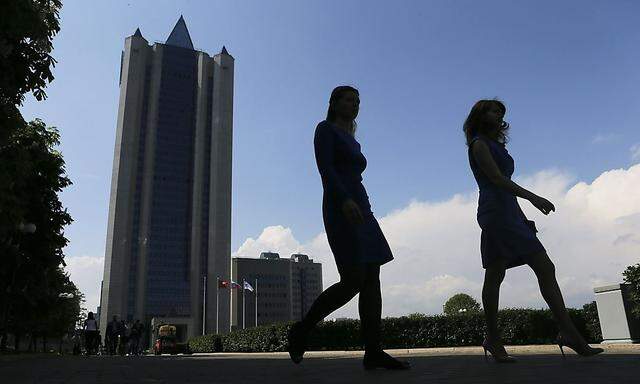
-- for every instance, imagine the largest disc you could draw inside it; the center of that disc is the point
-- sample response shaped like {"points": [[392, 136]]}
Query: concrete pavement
{"points": [[536, 364]]}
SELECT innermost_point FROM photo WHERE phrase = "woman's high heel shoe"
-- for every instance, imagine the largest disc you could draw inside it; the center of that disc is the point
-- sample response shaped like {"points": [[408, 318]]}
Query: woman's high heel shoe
{"points": [[584, 352], [499, 356]]}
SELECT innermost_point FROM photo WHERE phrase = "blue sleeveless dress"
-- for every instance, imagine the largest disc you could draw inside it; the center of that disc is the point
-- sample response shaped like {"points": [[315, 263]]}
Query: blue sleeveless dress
{"points": [[341, 163], [507, 234]]}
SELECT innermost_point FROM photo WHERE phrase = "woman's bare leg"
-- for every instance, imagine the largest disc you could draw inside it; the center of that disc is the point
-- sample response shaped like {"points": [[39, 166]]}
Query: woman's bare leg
{"points": [[546, 273], [493, 277]]}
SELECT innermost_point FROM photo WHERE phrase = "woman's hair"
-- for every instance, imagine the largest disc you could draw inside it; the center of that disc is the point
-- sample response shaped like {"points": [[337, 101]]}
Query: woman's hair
{"points": [[90, 316], [336, 95], [476, 124]]}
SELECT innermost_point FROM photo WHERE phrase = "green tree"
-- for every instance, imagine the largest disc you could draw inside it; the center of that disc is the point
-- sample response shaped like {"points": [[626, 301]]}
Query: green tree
{"points": [[461, 303], [632, 277], [31, 171], [29, 278], [27, 28]]}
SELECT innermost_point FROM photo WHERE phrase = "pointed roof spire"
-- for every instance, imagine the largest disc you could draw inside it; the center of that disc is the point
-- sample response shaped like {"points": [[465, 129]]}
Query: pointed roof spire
{"points": [[137, 33], [179, 37], [224, 50]]}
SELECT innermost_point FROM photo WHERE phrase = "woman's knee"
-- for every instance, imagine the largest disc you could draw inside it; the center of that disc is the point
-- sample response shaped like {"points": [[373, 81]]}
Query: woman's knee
{"points": [[543, 266], [357, 278], [495, 273]]}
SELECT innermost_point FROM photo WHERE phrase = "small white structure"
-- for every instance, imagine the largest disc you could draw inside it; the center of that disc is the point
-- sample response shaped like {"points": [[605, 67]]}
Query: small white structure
{"points": [[614, 310]]}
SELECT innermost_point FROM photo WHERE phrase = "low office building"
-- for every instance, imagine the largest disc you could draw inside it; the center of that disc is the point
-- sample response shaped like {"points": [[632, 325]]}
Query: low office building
{"points": [[276, 290]]}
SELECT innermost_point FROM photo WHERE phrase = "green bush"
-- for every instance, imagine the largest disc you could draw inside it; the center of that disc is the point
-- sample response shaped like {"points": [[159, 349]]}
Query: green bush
{"points": [[592, 322], [632, 277], [518, 326]]}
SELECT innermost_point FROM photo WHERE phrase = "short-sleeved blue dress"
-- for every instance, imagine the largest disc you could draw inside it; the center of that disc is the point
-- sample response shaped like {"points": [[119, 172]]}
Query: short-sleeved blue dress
{"points": [[341, 163], [507, 234]]}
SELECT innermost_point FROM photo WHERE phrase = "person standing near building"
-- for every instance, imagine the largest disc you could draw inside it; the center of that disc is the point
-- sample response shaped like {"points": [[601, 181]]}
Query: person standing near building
{"points": [[90, 334], [111, 335], [358, 245]]}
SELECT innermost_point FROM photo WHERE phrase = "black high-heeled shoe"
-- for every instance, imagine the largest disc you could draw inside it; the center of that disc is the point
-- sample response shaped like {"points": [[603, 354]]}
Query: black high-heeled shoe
{"points": [[380, 359], [502, 357], [584, 352], [296, 341]]}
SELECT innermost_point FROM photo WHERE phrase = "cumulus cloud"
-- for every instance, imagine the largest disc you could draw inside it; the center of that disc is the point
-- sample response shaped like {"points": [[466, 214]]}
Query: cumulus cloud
{"points": [[604, 138], [593, 235], [635, 152], [275, 238], [86, 273]]}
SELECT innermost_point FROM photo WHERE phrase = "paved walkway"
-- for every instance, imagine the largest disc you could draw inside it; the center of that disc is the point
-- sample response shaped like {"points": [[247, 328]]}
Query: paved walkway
{"points": [[536, 364]]}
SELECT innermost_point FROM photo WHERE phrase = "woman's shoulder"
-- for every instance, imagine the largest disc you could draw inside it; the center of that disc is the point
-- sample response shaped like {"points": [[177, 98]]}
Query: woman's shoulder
{"points": [[486, 140], [324, 128], [324, 124]]}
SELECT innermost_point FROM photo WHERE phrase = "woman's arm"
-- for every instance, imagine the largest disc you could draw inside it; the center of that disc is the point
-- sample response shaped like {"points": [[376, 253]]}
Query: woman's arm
{"points": [[484, 159], [324, 149], [324, 146]]}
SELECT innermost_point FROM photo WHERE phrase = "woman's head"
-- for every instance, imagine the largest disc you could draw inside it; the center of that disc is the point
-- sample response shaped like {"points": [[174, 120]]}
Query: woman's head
{"points": [[486, 117], [90, 315], [344, 104]]}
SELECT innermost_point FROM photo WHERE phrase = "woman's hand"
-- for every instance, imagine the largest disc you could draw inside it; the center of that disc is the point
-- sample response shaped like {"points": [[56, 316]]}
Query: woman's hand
{"points": [[544, 205], [352, 212]]}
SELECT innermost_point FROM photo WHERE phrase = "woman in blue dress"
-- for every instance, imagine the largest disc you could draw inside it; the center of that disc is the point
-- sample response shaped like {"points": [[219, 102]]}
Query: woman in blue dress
{"points": [[355, 238], [508, 239]]}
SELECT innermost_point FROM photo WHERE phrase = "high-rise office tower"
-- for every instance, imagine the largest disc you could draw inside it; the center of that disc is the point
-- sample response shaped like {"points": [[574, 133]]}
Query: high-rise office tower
{"points": [[170, 208]]}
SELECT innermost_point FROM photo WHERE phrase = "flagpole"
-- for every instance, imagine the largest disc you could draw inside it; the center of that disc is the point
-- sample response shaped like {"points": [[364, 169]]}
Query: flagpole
{"points": [[256, 297], [243, 305], [204, 304], [230, 296], [217, 302]]}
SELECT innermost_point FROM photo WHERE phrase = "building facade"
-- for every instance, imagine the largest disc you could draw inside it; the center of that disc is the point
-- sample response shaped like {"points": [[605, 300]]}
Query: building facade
{"points": [[283, 289], [169, 220]]}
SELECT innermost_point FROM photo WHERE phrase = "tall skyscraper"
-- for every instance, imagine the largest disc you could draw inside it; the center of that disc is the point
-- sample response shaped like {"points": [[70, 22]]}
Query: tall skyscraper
{"points": [[170, 207]]}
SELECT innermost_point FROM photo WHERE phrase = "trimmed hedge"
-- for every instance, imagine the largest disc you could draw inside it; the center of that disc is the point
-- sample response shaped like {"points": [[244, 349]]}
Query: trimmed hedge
{"points": [[518, 327]]}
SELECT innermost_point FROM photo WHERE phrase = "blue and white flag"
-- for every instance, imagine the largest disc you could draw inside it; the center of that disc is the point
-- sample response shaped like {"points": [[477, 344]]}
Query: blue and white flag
{"points": [[247, 286]]}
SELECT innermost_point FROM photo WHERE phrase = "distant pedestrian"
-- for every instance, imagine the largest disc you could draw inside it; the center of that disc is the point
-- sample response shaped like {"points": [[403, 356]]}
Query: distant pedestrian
{"points": [[90, 334], [122, 338], [136, 334], [111, 335]]}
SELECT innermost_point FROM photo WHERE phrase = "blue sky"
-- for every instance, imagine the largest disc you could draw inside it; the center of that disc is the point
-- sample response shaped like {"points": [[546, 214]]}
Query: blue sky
{"points": [[568, 72]]}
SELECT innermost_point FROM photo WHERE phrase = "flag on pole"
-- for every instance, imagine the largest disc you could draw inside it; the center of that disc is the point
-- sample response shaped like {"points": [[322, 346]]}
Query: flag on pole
{"points": [[247, 286], [223, 284], [235, 285]]}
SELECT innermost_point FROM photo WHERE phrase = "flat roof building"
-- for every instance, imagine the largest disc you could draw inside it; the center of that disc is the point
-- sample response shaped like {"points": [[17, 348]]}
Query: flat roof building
{"points": [[284, 288]]}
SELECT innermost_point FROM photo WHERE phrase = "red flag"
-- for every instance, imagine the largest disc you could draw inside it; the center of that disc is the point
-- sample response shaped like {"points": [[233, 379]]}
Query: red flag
{"points": [[223, 284]]}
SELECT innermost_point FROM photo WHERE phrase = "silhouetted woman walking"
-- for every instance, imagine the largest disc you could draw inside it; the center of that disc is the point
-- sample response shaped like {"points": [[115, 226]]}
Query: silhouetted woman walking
{"points": [[355, 238], [508, 238]]}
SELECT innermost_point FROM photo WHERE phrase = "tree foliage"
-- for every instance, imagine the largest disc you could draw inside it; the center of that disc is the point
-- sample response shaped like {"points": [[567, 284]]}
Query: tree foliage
{"points": [[632, 277], [31, 279], [27, 28], [461, 303]]}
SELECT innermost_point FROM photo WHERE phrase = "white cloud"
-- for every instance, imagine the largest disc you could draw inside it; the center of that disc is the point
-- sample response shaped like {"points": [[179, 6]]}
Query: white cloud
{"points": [[272, 239], [604, 138], [86, 273], [593, 235], [635, 152]]}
